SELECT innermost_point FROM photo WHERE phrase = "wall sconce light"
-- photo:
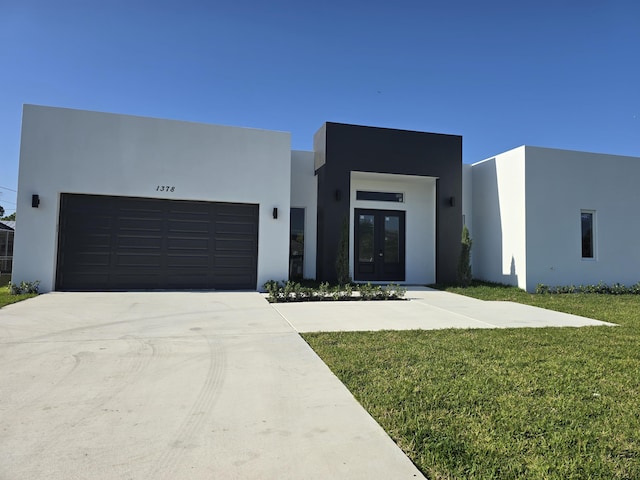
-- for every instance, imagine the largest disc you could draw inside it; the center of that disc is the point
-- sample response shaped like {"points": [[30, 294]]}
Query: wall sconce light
{"points": [[338, 195], [452, 201], [35, 201], [275, 212]]}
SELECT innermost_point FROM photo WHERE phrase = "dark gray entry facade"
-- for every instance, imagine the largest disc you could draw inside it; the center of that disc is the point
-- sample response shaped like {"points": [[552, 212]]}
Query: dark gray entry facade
{"points": [[340, 149], [130, 243]]}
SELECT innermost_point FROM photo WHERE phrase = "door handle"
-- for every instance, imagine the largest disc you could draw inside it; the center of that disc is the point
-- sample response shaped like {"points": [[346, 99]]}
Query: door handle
{"points": [[380, 254]]}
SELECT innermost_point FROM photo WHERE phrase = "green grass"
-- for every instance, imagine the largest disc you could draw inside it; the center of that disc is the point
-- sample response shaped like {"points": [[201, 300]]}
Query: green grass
{"points": [[6, 299], [553, 403]]}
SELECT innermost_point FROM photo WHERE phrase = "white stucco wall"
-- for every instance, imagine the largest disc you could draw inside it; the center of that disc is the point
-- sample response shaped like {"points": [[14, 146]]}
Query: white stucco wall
{"points": [[74, 151], [304, 194], [420, 218], [467, 197], [561, 183], [499, 212]]}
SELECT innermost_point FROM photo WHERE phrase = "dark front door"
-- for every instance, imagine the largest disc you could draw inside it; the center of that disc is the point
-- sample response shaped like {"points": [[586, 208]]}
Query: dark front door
{"points": [[379, 253]]}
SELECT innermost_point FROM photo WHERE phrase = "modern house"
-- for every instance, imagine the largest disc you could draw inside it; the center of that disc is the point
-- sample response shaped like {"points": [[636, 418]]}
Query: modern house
{"points": [[7, 229], [118, 202]]}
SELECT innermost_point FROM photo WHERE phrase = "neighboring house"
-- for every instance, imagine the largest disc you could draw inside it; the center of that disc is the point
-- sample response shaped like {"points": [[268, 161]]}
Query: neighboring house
{"points": [[556, 217], [118, 202], [7, 229]]}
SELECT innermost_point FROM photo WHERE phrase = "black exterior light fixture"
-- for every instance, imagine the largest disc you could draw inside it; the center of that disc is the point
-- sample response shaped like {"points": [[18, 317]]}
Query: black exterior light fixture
{"points": [[452, 201], [35, 201], [275, 213]]}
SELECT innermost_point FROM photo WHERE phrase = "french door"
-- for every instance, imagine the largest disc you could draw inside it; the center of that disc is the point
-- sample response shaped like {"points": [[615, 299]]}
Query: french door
{"points": [[379, 246]]}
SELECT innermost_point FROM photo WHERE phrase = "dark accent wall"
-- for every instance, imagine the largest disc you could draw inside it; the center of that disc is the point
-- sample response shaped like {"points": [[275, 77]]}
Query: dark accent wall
{"points": [[341, 149]]}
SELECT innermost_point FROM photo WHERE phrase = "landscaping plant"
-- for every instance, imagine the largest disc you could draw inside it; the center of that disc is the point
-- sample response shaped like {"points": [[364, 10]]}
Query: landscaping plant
{"points": [[464, 261], [342, 259]]}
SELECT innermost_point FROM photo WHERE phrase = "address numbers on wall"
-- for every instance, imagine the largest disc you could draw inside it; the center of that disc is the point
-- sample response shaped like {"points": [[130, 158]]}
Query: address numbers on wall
{"points": [[165, 188]]}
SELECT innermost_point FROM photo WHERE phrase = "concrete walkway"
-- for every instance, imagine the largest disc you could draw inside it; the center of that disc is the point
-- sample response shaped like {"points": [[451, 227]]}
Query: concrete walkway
{"points": [[175, 386], [182, 385], [427, 309]]}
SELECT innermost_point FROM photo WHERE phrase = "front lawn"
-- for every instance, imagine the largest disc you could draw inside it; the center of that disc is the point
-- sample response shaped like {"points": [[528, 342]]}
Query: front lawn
{"points": [[561, 403], [6, 299]]}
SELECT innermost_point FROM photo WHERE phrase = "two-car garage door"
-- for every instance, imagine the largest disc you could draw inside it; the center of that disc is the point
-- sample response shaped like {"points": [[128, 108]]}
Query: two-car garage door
{"points": [[124, 243]]}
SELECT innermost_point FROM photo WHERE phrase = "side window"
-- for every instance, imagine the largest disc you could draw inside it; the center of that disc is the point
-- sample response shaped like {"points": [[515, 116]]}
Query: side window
{"points": [[587, 222], [296, 244]]}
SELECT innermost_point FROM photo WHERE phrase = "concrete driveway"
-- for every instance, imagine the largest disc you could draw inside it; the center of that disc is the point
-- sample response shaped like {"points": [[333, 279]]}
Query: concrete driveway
{"points": [[185, 385], [175, 386]]}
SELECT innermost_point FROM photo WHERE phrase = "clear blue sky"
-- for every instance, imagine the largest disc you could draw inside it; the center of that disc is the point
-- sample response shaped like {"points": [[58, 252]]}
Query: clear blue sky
{"points": [[562, 74]]}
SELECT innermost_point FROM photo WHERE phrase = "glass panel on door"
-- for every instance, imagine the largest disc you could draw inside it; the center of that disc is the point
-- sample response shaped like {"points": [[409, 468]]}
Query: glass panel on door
{"points": [[366, 238], [391, 239]]}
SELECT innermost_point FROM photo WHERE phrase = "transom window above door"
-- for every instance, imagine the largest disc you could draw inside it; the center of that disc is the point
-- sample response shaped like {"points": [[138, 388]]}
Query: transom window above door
{"points": [[380, 196]]}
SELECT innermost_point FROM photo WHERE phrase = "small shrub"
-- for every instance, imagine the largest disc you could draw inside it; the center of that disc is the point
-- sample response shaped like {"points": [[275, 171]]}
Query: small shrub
{"points": [[24, 287], [541, 289], [303, 293], [337, 293], [395, 291], [377, 292], [565, 289], [291, 291], [367, 291], [288, 290], [364, 290], [384, 293], [270, 285], [324, 290], [600, 288], [275, 290], [617, 289]]}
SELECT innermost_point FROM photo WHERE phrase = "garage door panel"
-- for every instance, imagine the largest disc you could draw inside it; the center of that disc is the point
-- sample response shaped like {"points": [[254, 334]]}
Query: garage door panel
{"points": [[231, 279], [237, 229], [136, 207], [89, 259], [233, 245], [133, 281], [140, 225], [138, 260], [92, 222], [188, 243], [115, 243], [186, 280], [186, 226], [233, 261], [84, 280], [144, 242], [87, 241], [194, 262]]}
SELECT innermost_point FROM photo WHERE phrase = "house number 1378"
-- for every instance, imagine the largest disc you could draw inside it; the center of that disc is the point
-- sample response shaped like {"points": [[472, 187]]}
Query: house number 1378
{"points": [[165, 188]]}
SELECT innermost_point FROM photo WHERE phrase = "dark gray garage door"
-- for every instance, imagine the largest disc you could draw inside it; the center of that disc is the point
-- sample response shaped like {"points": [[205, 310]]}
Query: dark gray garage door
{"points": [[124, 243]]}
